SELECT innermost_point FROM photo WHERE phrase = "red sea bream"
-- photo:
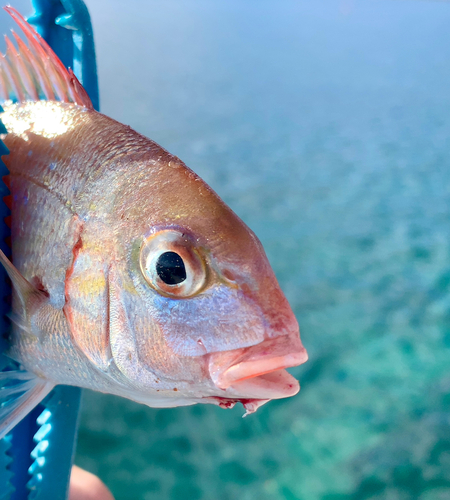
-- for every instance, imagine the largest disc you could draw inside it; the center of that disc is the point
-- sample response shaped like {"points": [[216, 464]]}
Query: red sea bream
{"points": [[131, 276]]}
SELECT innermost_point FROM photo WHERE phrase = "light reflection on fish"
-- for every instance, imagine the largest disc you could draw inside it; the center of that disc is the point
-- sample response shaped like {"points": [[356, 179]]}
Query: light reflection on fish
{"points": [[131, 276]]}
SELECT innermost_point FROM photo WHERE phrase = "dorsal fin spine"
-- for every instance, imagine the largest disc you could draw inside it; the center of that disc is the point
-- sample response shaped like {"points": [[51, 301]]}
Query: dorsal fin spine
{"points": [[12, 78], [39, 72], [78, 89], [36, 70], [24, 73], [53, 65], [3, 86], [43, 59]]}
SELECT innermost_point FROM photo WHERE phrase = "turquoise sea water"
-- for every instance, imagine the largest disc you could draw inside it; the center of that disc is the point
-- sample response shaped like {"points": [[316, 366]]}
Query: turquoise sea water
{"points": [[326, 127]]}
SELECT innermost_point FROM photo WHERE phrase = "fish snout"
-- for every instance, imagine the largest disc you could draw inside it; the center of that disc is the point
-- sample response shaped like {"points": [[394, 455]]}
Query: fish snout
{"points": [[276, 312]]}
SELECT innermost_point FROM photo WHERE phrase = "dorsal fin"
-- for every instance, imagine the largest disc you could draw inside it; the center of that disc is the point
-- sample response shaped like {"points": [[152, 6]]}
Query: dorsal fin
{"points": [[34, 72]]}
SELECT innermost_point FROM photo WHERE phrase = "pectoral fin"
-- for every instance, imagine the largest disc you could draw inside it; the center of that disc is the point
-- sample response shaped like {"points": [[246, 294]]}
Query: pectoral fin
{"points": [[20, 392], [29, 296]]}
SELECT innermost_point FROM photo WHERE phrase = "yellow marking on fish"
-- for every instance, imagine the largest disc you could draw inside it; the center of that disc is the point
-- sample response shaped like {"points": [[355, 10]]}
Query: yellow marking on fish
{"points": [[89, 286]]}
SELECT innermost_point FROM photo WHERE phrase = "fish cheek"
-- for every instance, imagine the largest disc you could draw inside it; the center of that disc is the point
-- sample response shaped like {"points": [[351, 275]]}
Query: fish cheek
{"points": [[219, 319], [154, 351], [138, 346]]}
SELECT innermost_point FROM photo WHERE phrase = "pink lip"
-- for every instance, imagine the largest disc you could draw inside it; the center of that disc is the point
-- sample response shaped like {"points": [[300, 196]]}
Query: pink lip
{"points": [[258, 372]]}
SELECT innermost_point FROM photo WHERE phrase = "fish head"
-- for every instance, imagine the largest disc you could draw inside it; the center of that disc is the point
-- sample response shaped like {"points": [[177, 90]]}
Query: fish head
{"points": [[197, 314]]}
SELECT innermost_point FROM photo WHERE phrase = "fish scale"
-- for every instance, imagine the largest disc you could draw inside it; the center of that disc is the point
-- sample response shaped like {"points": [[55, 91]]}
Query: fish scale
{"points": [[36, 456]]}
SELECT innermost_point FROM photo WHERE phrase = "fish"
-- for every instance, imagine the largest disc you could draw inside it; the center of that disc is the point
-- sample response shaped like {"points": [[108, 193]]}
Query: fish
{"points": [[130, 275]]}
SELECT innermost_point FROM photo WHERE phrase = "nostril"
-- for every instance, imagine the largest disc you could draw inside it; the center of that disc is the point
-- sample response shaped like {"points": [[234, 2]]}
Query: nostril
{"points": [[229, 275]]}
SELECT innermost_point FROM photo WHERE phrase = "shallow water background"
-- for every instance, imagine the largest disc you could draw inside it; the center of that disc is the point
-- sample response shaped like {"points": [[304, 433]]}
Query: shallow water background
{"points": [[326, 127]]}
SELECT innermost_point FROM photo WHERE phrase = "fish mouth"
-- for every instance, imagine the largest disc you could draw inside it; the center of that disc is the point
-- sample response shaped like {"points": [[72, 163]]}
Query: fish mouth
{"points": [[257, 374]]}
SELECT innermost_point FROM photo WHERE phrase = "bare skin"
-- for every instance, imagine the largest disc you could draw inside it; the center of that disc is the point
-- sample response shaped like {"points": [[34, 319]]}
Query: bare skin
{"points": [[87, 486]]}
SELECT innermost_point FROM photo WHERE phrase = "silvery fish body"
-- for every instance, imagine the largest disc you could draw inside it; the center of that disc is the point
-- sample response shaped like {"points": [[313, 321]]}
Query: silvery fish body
{"points": [[132, 277]]}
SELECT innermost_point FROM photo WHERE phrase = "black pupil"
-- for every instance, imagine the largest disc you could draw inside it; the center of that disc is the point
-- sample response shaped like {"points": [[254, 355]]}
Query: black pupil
{"points": [[170, 268]]}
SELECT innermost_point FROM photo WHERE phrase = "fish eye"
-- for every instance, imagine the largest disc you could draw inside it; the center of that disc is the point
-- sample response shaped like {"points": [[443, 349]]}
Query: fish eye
{"points": [[172, 265], [170, 268]]}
